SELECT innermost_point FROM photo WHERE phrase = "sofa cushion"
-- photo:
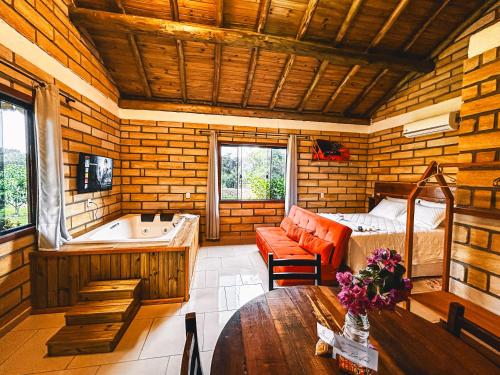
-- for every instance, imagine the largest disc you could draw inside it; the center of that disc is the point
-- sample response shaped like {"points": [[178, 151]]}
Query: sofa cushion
{"points": [[294, 232], [316, 245], [285, 223]]}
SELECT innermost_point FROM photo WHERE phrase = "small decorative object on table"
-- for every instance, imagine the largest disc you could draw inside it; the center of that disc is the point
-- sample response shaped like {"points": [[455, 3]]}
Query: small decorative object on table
{"points": [[380, 286]]}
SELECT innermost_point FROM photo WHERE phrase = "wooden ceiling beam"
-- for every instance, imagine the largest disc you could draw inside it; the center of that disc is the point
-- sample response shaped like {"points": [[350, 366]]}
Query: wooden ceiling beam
{"points": [[314, 83], [219, 22], [440, 48], [366, 91], [375, 41], [137, 55], [304, 25], [174, 12], [261, 23], [388, 23], [351, 14], [112, 22], [261, 112]]}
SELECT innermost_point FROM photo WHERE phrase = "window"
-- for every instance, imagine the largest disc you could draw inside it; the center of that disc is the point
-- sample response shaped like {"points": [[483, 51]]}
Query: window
{"points": [[16, 151], [252, 172]]}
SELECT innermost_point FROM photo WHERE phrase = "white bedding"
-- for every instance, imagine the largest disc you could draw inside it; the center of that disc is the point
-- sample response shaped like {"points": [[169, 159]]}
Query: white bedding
{"points": [[382, 232]]}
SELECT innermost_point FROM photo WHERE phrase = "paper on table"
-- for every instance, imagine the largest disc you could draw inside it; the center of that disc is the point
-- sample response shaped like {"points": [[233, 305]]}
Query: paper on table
{"points": [[359, 354], [325, 334]]}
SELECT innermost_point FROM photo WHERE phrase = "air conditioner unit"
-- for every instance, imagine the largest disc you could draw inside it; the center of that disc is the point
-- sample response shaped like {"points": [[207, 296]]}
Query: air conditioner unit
{"points": [[436, 124]]}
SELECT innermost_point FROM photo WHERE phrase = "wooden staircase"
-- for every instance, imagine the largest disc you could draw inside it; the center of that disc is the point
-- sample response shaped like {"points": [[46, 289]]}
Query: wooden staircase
{"points": [[97, 323]]}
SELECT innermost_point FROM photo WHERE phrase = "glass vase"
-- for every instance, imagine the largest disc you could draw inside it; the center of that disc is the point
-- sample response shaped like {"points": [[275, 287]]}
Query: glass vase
{"points": [[356, 328]]}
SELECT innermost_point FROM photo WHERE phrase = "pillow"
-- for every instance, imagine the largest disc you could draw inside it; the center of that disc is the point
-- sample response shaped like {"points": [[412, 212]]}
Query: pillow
{"points": [[388, 209], [294, 232], [425, 203], [427, 217], [392, 199], [285, 223], [316, 245]]}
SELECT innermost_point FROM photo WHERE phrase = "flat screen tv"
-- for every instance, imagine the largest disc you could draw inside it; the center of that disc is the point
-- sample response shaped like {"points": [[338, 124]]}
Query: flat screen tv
{"points": [[95, 173]]}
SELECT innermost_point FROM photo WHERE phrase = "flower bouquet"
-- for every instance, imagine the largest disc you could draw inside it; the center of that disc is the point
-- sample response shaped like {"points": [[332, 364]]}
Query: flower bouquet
{"points": [[379, 286]]}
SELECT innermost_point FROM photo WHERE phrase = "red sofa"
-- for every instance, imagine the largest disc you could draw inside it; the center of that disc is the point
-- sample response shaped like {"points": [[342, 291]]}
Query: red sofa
{"points": [[332, 246]]}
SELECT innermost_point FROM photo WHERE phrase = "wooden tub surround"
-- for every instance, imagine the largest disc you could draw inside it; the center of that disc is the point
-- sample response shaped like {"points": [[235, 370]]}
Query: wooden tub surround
{"points": [[165, 270]]}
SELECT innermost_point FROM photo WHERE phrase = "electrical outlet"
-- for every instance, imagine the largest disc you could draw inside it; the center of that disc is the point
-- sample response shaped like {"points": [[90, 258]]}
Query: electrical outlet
{"points": [[322, 195], [188, 195], [90, 202]]}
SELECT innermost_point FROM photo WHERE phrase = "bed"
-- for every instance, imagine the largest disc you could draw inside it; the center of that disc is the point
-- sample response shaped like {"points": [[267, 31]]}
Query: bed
{"points": [[371, 231]]}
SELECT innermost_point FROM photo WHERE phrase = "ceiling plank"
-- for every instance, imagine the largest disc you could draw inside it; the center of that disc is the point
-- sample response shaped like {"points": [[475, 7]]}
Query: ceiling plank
{"points": [[106, 21], [340, 87], [388, 23], [440, 48], [366, 91], [425, 25], [261, 112], [351, 14], [174, 12], [304, 25], [314, 83], [219, 22], [263, 12], [375, 41], [137, 55]]}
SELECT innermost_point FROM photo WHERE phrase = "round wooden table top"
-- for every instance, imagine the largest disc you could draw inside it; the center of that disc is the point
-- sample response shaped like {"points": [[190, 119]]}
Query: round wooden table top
{"points": [[275, 333]]}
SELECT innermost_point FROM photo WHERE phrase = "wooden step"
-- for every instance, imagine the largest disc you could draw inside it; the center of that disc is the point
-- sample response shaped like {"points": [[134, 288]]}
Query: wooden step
{"points": [[107, 311], [110, 290], [86, 339]]}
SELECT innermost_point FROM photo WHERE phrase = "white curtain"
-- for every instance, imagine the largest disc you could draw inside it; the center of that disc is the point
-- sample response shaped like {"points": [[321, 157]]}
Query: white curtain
{"points": [[291, 173], [51, 223], [212, 206]]}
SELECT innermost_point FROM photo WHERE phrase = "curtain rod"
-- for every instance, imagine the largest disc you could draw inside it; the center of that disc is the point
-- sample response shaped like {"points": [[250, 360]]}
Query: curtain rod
{"points": [[246, 133], [34, 78]]}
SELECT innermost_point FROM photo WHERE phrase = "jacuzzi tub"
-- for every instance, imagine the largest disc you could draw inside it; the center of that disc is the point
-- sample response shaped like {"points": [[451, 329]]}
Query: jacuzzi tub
{"points": [[130, 228]]}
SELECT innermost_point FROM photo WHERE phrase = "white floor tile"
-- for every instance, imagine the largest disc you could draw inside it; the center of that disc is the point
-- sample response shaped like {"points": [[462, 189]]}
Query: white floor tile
{"points": [[245, 249], [213, 324], [41, 321], [128, 349], [167, 336], [12, 341], [206, 361], [223, 278], [237, 296], [237, 262], [174, 365], [158, 311], [32, 356], [205, 264], [205, 300], [198, 280], [154, 366], [219, 251]]}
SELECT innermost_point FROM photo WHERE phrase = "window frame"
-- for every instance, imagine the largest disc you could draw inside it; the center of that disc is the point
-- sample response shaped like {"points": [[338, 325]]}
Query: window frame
{"points": [[26, 101], [250, 144]]}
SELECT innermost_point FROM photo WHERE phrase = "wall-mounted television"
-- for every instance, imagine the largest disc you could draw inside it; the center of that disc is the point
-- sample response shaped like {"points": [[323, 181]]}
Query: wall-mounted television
{"points": [[95, 173]]}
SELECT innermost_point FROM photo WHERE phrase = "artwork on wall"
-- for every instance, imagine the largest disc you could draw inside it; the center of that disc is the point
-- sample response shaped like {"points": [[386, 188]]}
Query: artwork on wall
{"points": [[324, 149]]}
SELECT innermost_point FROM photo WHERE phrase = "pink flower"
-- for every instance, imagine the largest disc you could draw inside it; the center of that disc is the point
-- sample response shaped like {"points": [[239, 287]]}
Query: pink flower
{"points": [[408, 284], [344, 278]]}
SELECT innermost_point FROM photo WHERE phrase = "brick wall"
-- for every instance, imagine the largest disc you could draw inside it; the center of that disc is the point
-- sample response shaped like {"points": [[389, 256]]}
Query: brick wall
{"points": [[161, 161], [476, 242], [86, 128], [443, 83], [392, 157], [46, 23]]}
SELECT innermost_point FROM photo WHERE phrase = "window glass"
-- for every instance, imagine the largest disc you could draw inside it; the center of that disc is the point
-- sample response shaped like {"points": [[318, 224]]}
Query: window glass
{"points": [[252, 172], [14, 169]]}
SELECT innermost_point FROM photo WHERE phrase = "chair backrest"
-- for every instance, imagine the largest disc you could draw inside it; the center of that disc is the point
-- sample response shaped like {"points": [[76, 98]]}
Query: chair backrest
{"points": [[316, 275], [457, 322], [191, 364]]}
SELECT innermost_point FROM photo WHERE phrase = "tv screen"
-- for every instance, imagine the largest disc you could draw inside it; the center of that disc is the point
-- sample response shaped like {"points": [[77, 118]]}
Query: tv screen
{"points": [[95, 173]]}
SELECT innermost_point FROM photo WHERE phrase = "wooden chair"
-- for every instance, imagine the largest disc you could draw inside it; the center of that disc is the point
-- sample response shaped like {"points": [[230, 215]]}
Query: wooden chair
{"points": [[191, 363], [316, 275], [457, 323]]}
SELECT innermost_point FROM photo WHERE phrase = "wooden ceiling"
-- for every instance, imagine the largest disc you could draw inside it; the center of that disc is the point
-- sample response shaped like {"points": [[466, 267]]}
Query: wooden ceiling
{"points": [[319, 60]]}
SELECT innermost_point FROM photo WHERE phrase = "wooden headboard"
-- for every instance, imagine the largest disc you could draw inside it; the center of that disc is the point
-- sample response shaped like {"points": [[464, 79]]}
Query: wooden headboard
{"points": [[430, 192]]}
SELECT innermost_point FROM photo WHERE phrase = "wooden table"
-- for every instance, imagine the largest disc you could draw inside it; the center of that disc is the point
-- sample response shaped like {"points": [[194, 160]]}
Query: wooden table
{"points": [[276, 334]]}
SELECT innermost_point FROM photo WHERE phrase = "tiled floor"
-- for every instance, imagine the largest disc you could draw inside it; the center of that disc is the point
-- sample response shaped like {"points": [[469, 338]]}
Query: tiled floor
{"points": [[226, 277]]}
